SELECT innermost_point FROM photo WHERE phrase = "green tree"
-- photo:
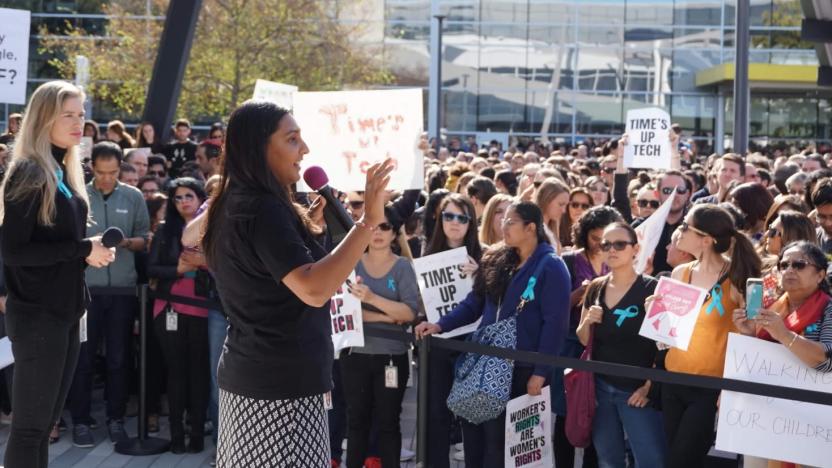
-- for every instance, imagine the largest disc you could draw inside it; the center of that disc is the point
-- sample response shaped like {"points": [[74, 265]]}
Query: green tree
{"points": [[298, 42]]}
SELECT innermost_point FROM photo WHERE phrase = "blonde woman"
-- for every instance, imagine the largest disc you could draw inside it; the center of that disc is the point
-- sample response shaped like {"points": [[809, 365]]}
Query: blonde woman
{"points": [[491, 228], [552, 197], [44, 207]]}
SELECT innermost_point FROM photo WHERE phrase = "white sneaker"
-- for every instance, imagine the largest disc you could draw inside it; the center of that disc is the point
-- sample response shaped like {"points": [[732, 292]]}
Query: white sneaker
{"points": [[407, 455]]}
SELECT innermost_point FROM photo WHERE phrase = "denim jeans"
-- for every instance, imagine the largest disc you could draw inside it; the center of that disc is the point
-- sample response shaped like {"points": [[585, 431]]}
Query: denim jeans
{"points": [[217, 331], [614, 417]]}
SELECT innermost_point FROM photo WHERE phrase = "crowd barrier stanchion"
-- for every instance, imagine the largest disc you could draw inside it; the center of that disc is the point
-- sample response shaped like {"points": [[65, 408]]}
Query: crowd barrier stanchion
{"points": [[142, 445], [422, 406]]}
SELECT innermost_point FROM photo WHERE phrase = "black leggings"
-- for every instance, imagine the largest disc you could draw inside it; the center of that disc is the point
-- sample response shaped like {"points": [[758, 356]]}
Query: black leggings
{"points": [[186, 357], [689, 414], [369, 401], [46, 352]]}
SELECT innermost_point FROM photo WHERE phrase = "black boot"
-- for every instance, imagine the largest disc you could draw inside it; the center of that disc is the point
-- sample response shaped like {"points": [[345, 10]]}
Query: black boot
{"points": [[177, 439]]}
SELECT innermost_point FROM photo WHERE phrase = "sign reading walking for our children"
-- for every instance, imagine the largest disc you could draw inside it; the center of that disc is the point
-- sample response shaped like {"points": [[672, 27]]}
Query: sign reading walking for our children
{"points": [[443, 285], [648, 139], [528, 431], [14, 55], [347, 323], [773, 428], [348, 131]]}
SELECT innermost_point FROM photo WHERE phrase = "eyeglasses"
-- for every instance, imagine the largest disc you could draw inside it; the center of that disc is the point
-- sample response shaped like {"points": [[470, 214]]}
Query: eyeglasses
{"points": [[680, 190], [651, 203], [583, 206], [684, 227], [356, 204], [156, 173], [509, 222], [798, 265], [460, 218], [149, 191], [181, 198], [385, 227], [617, 245]]}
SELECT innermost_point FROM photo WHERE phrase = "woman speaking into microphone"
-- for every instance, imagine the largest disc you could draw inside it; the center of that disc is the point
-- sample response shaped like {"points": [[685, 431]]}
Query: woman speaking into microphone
{"points": [[44, 214], [275, 282]]}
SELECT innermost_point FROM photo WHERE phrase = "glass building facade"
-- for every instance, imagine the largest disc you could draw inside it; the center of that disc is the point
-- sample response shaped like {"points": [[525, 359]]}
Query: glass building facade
{"points": [[567, 68]]}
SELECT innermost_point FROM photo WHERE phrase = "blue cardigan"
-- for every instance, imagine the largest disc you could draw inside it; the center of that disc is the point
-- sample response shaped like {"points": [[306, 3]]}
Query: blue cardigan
{"points": [[543, 323]]}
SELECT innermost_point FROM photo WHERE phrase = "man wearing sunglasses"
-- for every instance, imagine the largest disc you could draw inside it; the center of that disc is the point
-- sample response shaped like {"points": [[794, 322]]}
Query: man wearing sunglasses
{"points": [[355, 205], [669, 181]]}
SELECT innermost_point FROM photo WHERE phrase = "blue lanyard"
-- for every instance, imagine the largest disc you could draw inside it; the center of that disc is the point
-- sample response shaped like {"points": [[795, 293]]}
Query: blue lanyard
{"points": [[59, 174]]}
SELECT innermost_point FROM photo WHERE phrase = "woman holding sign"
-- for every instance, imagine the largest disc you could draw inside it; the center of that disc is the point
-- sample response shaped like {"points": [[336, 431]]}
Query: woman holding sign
{"points": [[613, 310], [541, 323], [455, 226], [801, 319], [708, 233], [275, 282], [374, 376]]}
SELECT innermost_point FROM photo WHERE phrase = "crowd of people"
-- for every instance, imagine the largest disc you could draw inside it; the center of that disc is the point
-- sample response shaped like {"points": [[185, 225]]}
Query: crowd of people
{"points": [[732, 217]]}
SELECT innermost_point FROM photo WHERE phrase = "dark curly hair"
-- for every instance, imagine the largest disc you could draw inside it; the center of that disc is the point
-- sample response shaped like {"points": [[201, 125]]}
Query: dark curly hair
{"points": [[597, 217], [498, 264]]}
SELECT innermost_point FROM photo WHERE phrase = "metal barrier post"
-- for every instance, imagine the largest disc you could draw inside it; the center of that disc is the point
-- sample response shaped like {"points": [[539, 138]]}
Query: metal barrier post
{"points": [[142, 444], [422, 409]]}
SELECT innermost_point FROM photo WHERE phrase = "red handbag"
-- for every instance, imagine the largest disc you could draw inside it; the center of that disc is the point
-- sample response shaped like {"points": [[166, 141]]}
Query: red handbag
{"points": [[580, 402]]}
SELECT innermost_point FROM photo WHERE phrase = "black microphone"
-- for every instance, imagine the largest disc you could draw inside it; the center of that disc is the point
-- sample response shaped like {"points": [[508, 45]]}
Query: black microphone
{"points": [[112, 237], [338, 221]]}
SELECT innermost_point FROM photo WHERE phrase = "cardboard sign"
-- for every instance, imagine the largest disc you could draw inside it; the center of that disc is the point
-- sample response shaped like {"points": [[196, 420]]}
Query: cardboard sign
{"points": [[650, 232], [648, 140], [281, 94], [348, 131], [773, 428], [444, 286], [14, 55], [346, 319], [672, 315], [528, 431]]}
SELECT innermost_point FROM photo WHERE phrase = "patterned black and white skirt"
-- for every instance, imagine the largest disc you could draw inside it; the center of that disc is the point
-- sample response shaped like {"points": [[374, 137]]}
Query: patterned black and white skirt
{"points": [[272, 433]]}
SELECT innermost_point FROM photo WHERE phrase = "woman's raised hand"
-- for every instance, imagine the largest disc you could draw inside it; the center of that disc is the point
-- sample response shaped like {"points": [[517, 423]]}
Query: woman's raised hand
{"points": [[378, 176]]}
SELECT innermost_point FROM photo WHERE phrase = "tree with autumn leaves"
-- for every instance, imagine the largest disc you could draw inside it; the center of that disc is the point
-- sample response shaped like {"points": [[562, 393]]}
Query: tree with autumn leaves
{"points": [[299, 42]]}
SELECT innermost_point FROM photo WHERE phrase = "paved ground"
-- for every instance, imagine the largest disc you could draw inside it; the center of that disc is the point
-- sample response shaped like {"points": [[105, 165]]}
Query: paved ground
{"points": [[64, 455]]}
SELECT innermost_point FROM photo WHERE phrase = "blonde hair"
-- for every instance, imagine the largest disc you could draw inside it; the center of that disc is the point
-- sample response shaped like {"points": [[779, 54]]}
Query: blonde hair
{"points": [[486, 235], [548, 191], [32, 166]]}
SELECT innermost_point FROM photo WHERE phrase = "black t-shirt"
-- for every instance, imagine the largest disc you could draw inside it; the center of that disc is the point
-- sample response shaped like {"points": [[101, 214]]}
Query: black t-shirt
{"points": [[278, 347], [616, 338], [178, 154]]}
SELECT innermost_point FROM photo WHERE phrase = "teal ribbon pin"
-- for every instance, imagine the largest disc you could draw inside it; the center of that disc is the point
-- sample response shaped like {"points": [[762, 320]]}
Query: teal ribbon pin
{"points": [[528, 294], [716, 301], [624, 314], [59, 174], [391, 284]]}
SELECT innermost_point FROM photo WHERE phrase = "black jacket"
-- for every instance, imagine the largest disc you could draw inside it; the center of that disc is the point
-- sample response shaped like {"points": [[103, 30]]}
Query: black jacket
{"points": [[164, 256]]}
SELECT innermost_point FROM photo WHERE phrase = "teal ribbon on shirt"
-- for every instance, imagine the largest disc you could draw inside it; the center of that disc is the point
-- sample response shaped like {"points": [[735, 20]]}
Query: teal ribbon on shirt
{"points": [[716, 301], [624, 314], [62, 187], [528, 294]]}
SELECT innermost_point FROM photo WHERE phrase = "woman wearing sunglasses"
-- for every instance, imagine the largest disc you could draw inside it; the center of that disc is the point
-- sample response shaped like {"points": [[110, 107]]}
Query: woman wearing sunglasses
{"points": [[541, 323], [801, 319], [647, 201], [613, 310], [386, 285], [580, 200], [182, 329], [455, 227], [709, 234]]}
